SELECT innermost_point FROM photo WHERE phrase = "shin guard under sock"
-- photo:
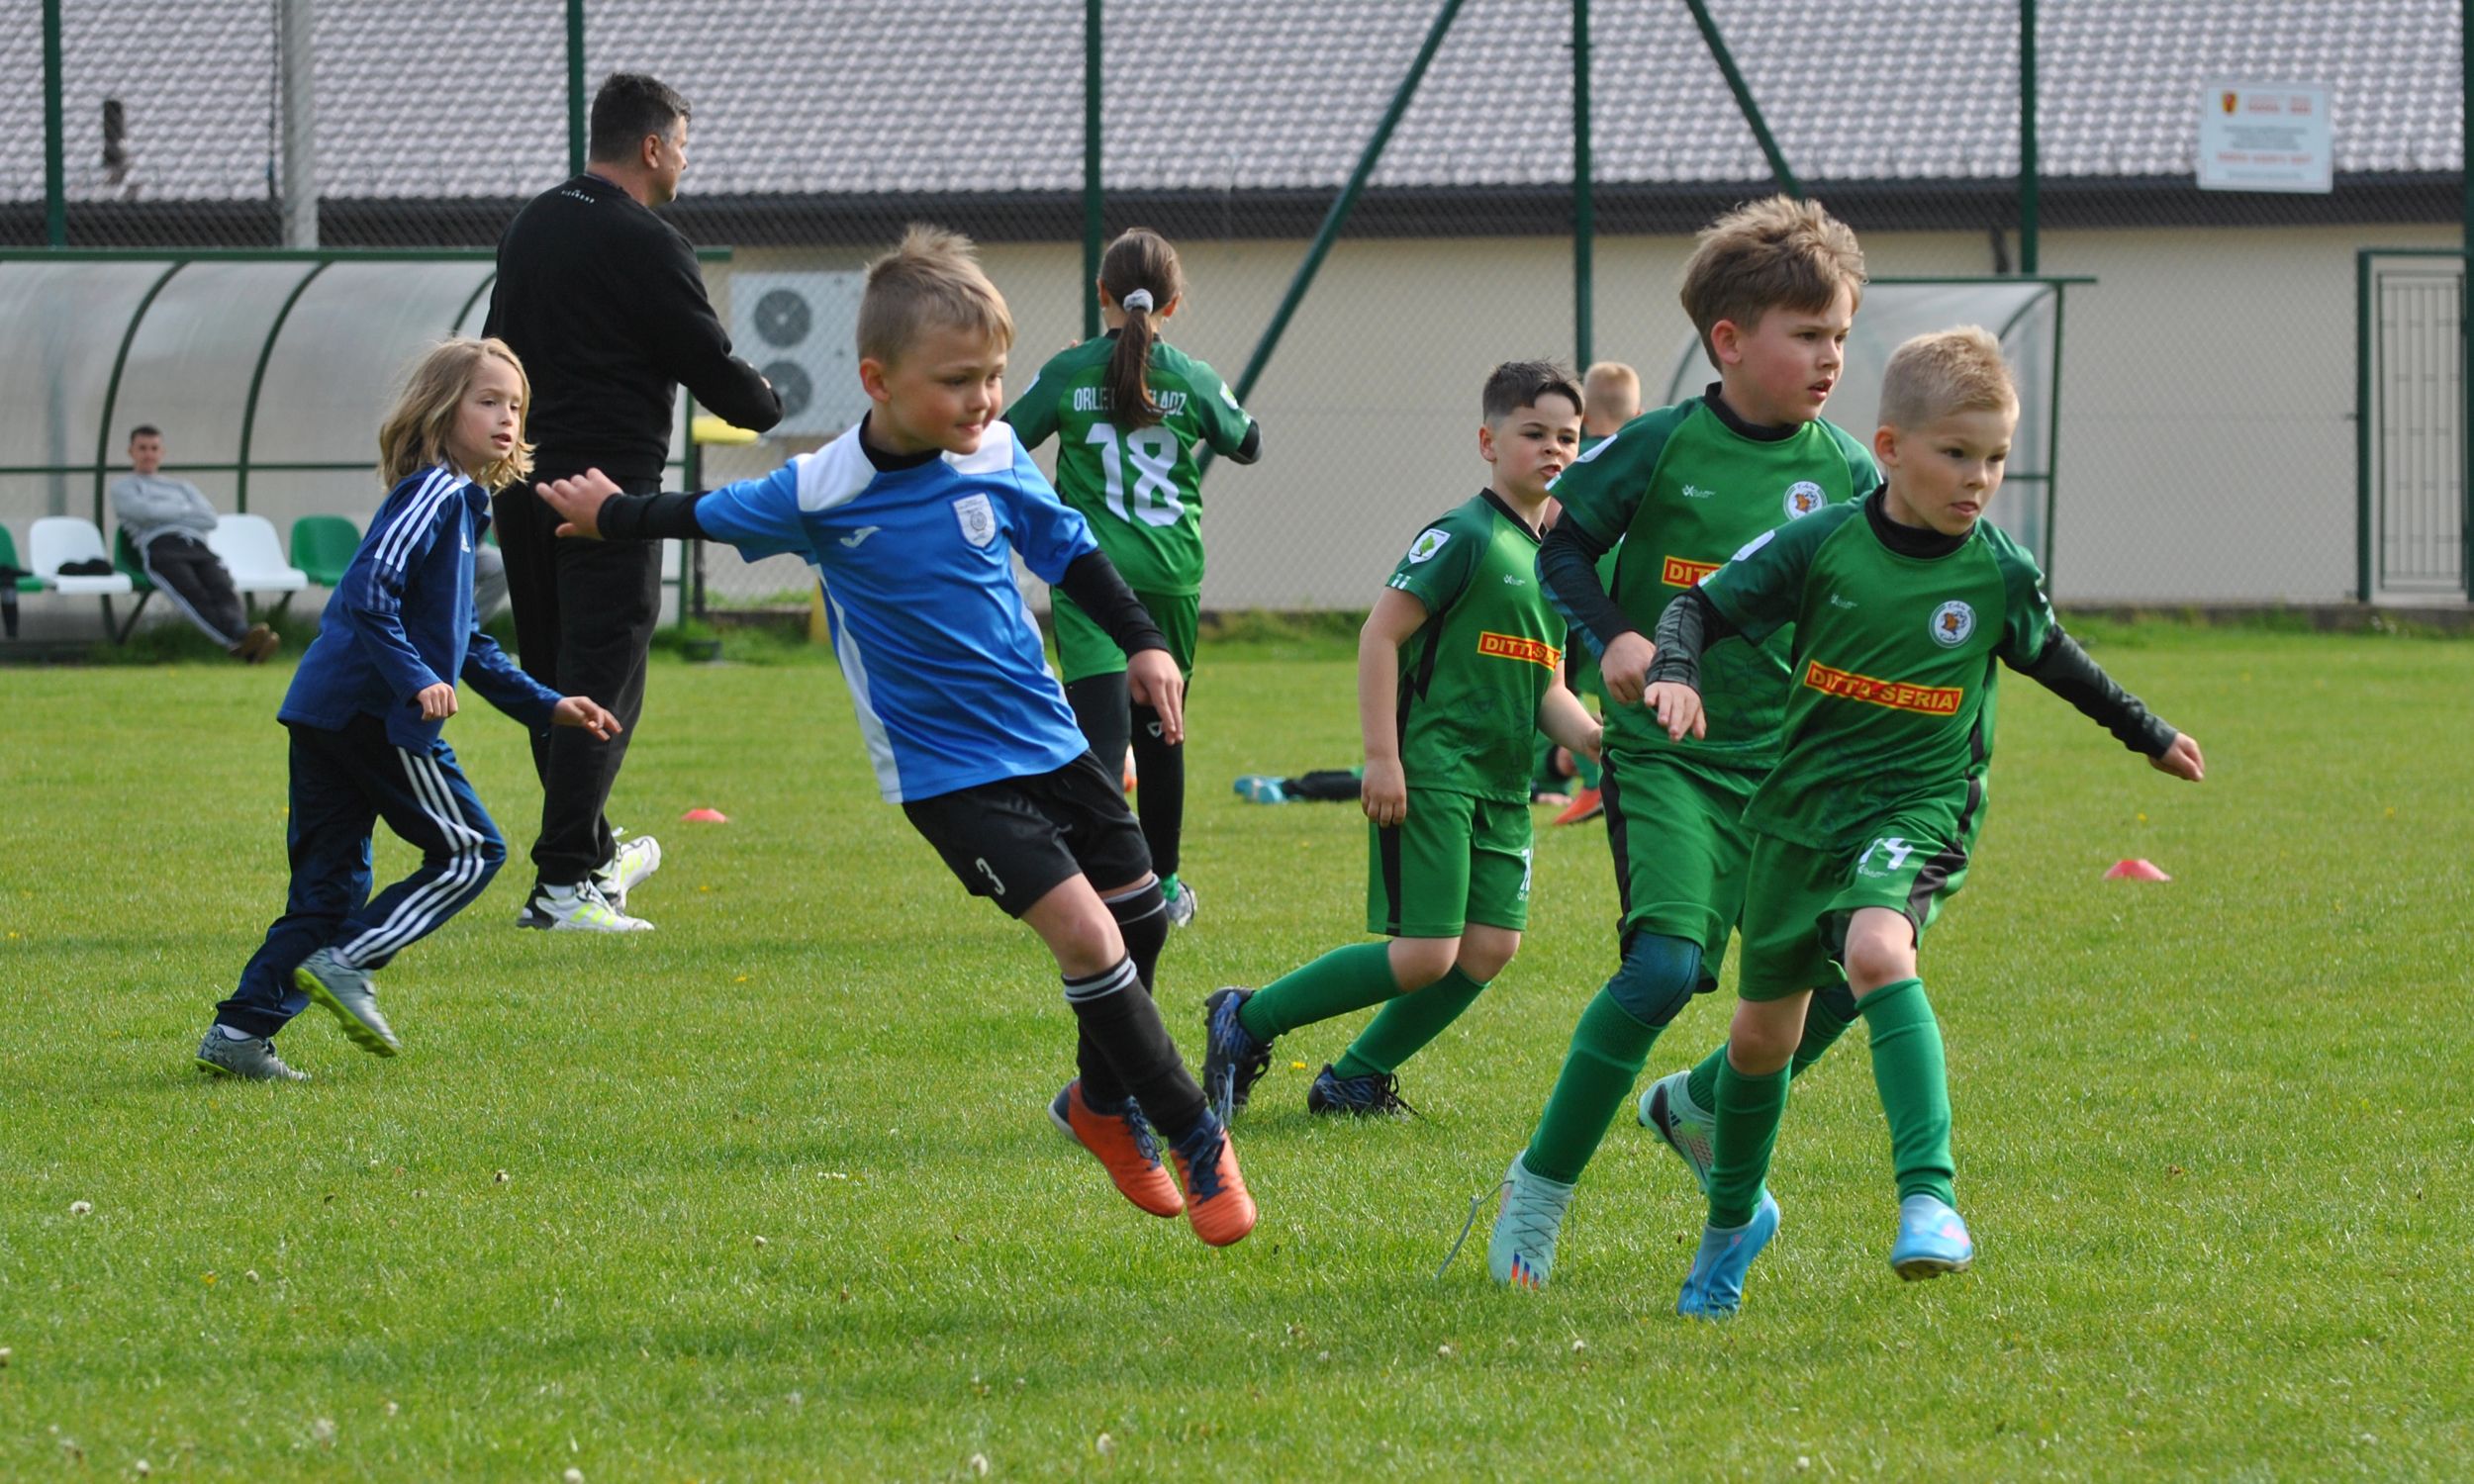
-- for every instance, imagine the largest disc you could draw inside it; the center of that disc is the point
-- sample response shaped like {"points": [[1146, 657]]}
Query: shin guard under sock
{"points": [[1142, 921], [1826, 1018], [1908, 1069], [1609, 1048], [1403, 1026], [1161, 801], [1344, 980], [1745, 1129], [1123, 1025]]}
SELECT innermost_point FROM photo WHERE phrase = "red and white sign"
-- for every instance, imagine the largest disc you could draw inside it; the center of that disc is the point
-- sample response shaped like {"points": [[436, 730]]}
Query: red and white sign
{"points": [[2265, 137]]}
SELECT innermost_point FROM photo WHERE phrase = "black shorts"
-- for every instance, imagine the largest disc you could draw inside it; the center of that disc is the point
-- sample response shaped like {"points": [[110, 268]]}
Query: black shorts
{"points": [[1016, 839]]}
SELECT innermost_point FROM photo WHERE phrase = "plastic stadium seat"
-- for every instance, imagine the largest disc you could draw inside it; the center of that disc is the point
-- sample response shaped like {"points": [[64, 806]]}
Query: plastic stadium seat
{"points": [[11, 586], [58, 539], [322, 546], [254, 557]]}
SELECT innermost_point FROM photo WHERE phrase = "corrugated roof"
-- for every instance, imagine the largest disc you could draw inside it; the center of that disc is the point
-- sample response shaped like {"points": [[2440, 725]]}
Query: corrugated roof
{"points": [[466, 98]]}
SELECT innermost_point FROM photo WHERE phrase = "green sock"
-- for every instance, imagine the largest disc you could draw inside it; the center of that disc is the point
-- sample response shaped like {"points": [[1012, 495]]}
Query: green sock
{"points": [[1822, 1029], [1609, 1049], [1400, 1029], [1908, 1069], [1747, 1111], [1344, 980]]}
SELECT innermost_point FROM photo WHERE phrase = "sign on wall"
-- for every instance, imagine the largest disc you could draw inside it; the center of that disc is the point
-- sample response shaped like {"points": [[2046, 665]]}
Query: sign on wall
{"points": [[2265, 137]]}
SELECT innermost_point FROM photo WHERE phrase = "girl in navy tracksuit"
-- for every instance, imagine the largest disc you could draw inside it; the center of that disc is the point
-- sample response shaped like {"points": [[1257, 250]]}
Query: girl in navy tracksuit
{"points": [[364, 713]]}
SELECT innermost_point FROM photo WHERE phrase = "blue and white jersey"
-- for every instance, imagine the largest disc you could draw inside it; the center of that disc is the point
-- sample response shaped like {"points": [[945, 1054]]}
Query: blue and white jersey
{"points": [[942, 658]]}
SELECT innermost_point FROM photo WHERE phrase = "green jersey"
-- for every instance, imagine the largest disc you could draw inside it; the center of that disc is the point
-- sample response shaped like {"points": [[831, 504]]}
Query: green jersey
{"points": [[1473, 677], [1891, 711], [1138, 486], [1681, 487]]}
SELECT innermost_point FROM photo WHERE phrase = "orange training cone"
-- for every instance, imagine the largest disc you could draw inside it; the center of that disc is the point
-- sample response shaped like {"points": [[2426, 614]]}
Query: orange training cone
{"points": [[706, 816], [2136, 871]]}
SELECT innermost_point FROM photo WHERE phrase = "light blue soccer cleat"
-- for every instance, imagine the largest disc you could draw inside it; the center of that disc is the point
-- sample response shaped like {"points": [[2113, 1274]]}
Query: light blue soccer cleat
{"points": [[1521, 1252], [1261, 787], [1666, 1110], [1931, 1240], [1714, 1289]]}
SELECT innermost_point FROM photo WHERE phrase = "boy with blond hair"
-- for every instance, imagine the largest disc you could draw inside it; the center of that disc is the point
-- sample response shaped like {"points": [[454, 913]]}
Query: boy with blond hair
{"points": [[1772, 290], [912, 520], [1610, 397], [1899, 607]]}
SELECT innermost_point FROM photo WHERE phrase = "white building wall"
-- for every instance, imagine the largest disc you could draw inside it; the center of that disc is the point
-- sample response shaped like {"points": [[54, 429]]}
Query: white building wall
{"points": [[2206, 447]]}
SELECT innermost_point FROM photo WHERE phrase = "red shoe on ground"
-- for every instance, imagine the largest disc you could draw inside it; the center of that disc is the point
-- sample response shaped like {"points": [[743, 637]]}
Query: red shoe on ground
{"points": [[1123, 1144]]}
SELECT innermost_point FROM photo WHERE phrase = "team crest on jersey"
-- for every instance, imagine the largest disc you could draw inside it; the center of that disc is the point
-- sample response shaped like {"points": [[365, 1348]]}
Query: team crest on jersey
{"points": [[978, 517], [1429, 542], [1952, 622], [1803, 498]]}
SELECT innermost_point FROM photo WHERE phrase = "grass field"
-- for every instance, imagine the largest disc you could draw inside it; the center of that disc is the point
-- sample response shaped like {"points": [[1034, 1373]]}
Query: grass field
{"points": [[771, 1194]]}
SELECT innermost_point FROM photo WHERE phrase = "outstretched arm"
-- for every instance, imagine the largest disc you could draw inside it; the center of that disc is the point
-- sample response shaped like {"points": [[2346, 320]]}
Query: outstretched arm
{"points": [[2068, 672], [591, 506]]}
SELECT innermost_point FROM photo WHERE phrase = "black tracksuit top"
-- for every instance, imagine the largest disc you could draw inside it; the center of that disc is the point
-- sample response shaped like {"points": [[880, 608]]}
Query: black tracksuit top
{"points": [[604, 303]]}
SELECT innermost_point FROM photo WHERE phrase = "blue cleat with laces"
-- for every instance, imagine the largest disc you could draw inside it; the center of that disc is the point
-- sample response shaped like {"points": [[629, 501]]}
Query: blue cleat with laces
{"points": [[1931, 1240], [1714, 1289]]}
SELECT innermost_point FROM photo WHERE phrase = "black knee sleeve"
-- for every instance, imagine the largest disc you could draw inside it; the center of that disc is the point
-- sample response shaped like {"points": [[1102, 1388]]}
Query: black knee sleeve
{"points": [[1161, 801], [1100, 709], [1657, 978]]}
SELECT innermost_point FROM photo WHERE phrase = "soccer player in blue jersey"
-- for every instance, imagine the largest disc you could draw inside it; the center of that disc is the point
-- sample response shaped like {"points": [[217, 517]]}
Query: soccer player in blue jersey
{"points": [[912, 520], [364, 711]]}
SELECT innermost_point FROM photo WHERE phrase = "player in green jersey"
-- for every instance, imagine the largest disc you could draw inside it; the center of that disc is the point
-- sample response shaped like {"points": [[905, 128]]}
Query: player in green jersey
{"points": [[1130, 412], [1459, 663], [1610, 393], [1772, 290], [1900, 606]]}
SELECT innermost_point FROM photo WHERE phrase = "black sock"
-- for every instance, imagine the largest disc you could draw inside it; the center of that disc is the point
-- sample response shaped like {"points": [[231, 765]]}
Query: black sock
{"points": [[1142, 920], [1161, 801], [1100, 709], [1123, 1025]]}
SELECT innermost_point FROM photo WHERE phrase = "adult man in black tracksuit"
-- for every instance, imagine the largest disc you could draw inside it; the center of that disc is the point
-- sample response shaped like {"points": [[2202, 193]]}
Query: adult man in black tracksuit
{"points": [[605, 304]]}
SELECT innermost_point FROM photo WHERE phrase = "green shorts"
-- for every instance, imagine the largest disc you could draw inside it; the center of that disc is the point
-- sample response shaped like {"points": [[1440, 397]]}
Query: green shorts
{"points": [[1800, 899], [1084, 648], [1456, 860], [1677, 827]]}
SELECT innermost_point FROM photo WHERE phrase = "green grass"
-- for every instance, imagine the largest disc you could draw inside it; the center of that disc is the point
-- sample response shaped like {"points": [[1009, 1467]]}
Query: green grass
{"points": [[2214, 1136]]}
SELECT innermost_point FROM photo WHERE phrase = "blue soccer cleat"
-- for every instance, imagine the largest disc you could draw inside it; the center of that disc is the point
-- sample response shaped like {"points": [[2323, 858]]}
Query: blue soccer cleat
{"points": [[1233, 1060], [1261, 787], [1714, 1289], [1931, 1240]]}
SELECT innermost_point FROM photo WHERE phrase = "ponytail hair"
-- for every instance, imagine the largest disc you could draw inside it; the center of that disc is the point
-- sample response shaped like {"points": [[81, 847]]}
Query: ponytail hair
{"points": [[1139, 266]]}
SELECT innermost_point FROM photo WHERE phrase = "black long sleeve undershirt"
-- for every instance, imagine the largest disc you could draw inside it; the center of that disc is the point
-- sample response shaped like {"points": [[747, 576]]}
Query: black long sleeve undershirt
{"points": [[1689, 625], [1568, 563], [1090, 580], [2068, 672]]}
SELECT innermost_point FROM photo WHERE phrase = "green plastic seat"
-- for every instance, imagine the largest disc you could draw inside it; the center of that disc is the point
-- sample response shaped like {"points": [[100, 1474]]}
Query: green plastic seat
{"points": [[322, 546], [124, 557]]}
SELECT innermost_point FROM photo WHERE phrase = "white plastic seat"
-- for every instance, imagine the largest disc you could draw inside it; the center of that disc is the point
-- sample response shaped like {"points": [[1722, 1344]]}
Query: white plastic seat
{"points": [[59, 539], [253, 555]]}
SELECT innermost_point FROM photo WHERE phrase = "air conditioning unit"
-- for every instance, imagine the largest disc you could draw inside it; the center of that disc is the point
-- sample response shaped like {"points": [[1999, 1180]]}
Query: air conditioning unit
{"points": [[801, 329]]}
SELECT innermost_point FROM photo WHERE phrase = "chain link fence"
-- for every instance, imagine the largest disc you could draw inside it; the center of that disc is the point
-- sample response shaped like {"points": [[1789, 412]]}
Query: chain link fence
{"points": [[1390, 186]]}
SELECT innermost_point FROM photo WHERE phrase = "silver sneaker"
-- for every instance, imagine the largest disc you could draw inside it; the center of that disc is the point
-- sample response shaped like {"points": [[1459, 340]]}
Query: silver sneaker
{"points": [[579, 908], [633, 860], [348, 993], [252, 1061], [1668, 1111], [1182, 906]]}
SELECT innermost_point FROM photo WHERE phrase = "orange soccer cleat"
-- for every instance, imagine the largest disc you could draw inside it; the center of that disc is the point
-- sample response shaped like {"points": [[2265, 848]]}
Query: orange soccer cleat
{"points": [[1124, 1145], [1216, 1199]]}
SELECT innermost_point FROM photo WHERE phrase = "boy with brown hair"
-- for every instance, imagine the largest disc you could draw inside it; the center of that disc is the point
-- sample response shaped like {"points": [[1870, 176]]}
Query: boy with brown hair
{"points": [[1772, 290], [913, 520]]}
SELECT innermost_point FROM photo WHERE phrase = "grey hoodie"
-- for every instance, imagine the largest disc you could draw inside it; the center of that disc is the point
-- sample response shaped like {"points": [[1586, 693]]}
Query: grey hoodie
{"points": [[150, 504]]}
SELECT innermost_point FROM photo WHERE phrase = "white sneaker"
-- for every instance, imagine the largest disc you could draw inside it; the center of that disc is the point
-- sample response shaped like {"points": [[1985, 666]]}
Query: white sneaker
{"points": [[633, 860], [577, 909]]}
